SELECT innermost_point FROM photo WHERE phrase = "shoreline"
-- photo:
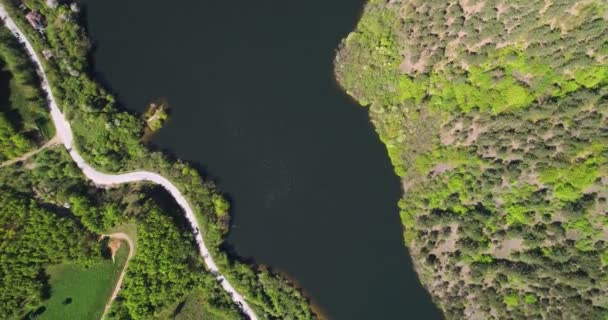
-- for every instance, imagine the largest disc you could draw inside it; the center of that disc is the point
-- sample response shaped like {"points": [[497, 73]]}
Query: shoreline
{"points": [[317, 310], [64, 132]]}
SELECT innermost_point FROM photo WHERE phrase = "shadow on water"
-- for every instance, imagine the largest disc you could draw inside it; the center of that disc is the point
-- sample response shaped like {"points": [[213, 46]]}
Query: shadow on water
{"points": [[251, 87]]}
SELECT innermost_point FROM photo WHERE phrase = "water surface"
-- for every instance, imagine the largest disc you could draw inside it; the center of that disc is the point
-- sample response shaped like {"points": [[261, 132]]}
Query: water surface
{"points": [[254, 102]]}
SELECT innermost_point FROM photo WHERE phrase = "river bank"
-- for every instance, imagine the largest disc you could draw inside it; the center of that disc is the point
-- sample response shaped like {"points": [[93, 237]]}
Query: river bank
{"points": [[203, 192], [66, 137], [254, 99]]}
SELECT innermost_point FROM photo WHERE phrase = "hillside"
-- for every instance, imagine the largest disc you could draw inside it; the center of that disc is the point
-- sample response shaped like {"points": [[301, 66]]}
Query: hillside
{"points": [[494, 115], [51, 218], [166, 269]]}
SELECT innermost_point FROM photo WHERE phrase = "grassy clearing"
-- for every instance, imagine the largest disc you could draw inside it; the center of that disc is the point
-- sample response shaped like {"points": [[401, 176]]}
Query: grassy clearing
{"points": [[195, 306], [82, 293]]}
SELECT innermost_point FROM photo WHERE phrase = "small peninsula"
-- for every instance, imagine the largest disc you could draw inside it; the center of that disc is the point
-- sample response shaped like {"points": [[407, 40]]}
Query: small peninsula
{"points": [[156, 115]]}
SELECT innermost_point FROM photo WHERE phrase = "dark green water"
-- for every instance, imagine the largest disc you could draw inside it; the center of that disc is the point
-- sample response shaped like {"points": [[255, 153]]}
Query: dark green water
{"points": [[255, 103]]}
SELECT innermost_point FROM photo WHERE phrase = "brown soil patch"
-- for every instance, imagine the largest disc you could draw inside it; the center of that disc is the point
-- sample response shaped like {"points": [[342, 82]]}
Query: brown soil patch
{"points": [[474, 131], [531, 177], [575, 10], [500, 9], [408, 183], [544, 9], [409, 67], [471, 7], [114, 245], [448, 134], [440, 168], [449, 243], [504, 249], [525, 78]]}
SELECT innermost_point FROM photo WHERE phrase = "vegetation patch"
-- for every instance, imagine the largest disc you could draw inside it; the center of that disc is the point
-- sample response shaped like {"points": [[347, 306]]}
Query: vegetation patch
{"points": [[111, 140], [32, 238], [24, 122], [494, 115], [82, 292], [195, 306], [156, 115]]}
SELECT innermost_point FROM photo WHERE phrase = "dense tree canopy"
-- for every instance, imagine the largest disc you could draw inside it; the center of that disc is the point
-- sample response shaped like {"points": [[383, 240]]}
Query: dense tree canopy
{"points": [[166, 268], [494, 115], [32, 237]]}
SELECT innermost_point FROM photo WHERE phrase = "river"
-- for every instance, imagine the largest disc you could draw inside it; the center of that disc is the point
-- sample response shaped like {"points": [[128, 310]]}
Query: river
{"points": [[255, 104]]}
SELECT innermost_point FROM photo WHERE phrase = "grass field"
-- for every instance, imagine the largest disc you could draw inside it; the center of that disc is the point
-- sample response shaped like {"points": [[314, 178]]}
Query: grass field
{"points": [[82, 293], [192, 308]]}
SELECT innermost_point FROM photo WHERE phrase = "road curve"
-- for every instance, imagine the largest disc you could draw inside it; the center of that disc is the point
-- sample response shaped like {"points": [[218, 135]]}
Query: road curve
{"points": [[64, 131]]}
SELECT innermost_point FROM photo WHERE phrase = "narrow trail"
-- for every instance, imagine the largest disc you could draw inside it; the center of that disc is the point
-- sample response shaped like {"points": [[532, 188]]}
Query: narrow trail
{"points": [[64, 132], [53, 142], [124, 237]]}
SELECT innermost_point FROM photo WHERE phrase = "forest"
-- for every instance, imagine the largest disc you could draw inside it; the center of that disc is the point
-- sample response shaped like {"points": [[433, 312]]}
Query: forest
{"points": [[60, 216], [24, 121], [33, 237], [494, 116], [111, 140], [52, 215]]}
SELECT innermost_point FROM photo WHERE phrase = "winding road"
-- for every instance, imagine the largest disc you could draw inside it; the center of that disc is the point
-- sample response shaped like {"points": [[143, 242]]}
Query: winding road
{"points": [[64, 132]]}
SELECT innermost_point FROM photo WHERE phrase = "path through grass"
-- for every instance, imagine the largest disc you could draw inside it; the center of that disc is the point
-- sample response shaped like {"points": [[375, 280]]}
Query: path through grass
{"points": [[81, 293]]}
